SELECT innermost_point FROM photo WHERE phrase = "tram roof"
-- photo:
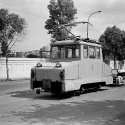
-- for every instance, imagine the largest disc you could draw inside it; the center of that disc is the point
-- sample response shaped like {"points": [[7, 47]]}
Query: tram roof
{"points": [[79, 41]]}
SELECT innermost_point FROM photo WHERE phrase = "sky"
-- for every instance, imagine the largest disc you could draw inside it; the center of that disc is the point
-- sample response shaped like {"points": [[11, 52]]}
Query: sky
{"points": [[35, 12]]}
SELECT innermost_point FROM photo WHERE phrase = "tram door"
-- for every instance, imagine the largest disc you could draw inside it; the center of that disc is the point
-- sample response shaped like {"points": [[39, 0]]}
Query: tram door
{"points": [[91, 64], [96, 61]]}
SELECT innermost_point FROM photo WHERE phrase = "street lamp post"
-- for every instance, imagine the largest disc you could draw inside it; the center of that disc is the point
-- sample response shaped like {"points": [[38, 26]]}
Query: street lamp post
{"points": [[88, 20]]}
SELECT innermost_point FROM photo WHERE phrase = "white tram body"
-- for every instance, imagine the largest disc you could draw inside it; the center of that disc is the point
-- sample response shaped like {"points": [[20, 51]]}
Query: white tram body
{"points": [[73, 64]]}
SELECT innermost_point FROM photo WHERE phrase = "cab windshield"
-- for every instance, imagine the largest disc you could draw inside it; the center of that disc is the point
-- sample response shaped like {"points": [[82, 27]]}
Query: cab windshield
{"points": [[67, 51]]}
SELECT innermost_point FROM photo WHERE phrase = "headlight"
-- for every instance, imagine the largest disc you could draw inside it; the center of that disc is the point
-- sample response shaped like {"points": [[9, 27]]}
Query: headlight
{"points": [[32, 73], [58, 64], [39, 64], [62, 74]]}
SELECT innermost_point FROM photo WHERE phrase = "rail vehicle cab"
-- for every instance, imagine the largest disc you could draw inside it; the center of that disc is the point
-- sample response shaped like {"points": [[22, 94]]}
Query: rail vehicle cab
{"points": [[74, 65]]}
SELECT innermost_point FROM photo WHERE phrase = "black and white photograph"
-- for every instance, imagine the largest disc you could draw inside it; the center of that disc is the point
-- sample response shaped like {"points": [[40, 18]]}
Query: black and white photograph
{"points": [[62, 62]]}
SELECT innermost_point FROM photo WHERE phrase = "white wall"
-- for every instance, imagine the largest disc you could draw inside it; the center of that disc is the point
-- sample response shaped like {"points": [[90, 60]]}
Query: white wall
{"points": [[119, 64], [18, 67]]}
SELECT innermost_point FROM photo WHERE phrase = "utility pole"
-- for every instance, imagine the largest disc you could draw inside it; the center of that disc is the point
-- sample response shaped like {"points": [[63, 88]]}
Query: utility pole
{"points": [[88, 21]]}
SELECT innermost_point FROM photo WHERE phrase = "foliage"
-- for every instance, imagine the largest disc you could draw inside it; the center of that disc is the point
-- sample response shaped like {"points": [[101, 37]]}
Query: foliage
{"points": [[113, 40], [1, 24], [113, 43], [4, 48], [12, 31], [61, 12]]}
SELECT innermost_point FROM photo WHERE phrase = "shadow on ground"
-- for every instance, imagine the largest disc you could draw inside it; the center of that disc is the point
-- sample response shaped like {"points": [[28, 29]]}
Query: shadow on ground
{"points": [[84, 113], [115, 85], [46, 96], [31, 94]]}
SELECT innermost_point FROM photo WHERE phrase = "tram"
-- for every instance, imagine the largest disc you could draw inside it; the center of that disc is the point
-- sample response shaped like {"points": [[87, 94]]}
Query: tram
{"points": [[74, 65]]}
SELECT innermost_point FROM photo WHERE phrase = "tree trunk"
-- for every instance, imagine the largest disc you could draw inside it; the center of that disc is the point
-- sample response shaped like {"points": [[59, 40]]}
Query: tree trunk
{"points": [[115, 53], [7, 69], [115, 63]]}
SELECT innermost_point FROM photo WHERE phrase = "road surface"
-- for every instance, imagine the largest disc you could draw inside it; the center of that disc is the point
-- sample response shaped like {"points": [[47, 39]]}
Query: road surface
{"points": [[21, 106]]}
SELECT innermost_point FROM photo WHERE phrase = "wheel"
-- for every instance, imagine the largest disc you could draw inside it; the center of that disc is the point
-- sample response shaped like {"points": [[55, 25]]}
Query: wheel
{"points": [[37, 91], [77, 93], [82, 90], [99, 86], [119, 80]]}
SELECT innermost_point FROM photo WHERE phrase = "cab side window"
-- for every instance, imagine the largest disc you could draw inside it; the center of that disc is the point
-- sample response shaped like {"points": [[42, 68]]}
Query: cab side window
{"points": [[69, 53], [72, 51], [85, 51], [92, 53], [57, 52], [97, 52]]}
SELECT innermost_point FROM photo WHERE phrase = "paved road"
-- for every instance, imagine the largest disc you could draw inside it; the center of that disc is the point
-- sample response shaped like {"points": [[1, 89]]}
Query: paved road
{"points": [[21, 106]]}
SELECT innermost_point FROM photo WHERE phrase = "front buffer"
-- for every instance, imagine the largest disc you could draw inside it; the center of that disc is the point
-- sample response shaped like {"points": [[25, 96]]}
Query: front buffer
{"points": [[49, 79]]}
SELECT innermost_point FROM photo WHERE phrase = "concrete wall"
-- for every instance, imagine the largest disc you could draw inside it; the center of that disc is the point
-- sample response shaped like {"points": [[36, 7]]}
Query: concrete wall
{"points": [[18, 67], [119, 64]]}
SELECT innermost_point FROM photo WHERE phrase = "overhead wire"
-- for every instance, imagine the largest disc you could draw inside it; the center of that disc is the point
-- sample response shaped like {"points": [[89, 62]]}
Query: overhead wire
{"points": [[22, 12], [30, 13], [6, 7]]}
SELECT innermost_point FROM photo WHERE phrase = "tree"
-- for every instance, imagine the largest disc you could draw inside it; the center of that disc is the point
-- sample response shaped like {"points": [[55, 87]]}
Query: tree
{"points": [[12, 32], [1, 24], [61, 12], [112, 40], [121, 56]]}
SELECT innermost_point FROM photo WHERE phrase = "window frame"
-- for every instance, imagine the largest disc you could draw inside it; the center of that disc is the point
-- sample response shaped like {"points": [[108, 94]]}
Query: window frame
{"points": [[84, 52], [73, 51], [65, 48], [59, 50], [94, 55], [98, 57]]}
